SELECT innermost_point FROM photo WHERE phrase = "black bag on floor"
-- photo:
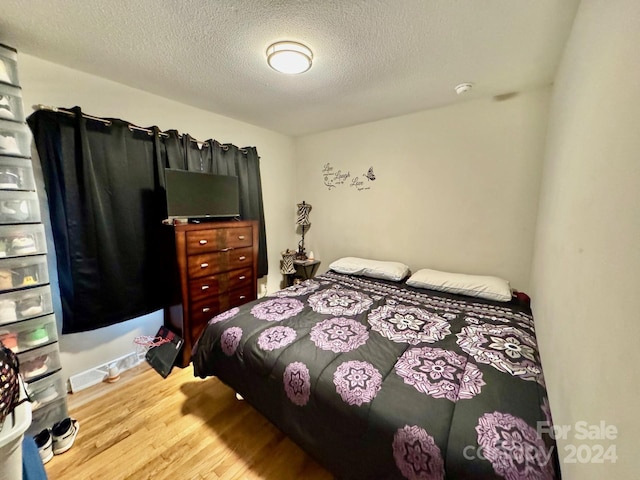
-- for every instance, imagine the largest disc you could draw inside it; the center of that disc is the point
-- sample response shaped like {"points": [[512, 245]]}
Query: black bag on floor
{"points": [[163, 356]]}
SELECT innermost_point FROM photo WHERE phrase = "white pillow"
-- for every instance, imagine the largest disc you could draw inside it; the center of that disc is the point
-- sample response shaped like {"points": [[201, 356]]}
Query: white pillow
{"points": [[491, 288], [370, 268]]}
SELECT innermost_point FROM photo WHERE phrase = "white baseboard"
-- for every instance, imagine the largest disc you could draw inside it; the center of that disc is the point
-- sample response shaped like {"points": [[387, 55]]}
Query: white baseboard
{"points": [[98, 374]]}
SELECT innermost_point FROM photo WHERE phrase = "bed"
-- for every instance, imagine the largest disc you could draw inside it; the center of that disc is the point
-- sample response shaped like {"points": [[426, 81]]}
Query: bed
{"points": [[376, 379]]}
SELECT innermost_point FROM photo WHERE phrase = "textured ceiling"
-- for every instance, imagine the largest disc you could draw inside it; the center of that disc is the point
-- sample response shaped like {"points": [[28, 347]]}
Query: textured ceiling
{"points": [[373, 59]]}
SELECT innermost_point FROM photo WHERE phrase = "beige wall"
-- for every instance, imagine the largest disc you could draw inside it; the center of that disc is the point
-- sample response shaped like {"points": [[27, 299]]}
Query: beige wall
{"points": [[586, 268], [52, 84], [456, 188]]}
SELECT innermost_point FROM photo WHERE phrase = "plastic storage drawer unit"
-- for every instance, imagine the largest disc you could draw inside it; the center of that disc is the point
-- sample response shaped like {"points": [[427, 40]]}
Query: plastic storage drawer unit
{"points": [[23, 272], [24, 336], [46, 390], [24, 304], [37, 363]]}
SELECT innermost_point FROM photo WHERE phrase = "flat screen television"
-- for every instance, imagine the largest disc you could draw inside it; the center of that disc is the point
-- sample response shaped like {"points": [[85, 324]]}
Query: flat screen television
{"points": [[197, 195]]}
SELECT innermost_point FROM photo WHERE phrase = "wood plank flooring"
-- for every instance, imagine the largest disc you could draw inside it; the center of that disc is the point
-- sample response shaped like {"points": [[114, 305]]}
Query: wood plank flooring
{"points": [[182, 427]]}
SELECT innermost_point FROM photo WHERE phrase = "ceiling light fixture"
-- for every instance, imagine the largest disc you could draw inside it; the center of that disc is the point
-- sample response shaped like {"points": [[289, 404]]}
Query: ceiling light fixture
{"points": [[289, 57]]}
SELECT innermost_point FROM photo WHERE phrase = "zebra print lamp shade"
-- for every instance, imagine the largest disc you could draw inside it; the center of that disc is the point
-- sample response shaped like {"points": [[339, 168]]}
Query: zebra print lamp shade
{"points": [[303, 214]]}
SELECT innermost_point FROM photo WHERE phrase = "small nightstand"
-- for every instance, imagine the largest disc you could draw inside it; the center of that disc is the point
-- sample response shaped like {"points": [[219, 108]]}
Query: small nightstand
{"points": [[305, 269]]}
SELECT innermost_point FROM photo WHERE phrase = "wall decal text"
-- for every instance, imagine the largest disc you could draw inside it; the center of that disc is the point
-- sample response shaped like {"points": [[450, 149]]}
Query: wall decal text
{"points": [[334, 178]]}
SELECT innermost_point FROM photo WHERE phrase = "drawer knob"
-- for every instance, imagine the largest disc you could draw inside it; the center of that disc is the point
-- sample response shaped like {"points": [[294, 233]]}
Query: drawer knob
{"points": [[205, 309], [240, 237], [242, 277], [204, 265], [203, 242], [242, 257], [205, 287], [242, 297], [225, 249]]}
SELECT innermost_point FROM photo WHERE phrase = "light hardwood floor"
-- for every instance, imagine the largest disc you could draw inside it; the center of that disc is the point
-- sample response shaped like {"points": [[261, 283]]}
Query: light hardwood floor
{"points": [[144, 427]]}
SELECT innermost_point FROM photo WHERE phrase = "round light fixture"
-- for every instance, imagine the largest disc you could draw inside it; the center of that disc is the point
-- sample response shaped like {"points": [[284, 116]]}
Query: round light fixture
{"points": [[289, 57]]}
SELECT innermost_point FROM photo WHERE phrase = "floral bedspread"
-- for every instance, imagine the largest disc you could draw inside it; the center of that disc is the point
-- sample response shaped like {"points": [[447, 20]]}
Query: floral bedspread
{"points": [[377, 380]]}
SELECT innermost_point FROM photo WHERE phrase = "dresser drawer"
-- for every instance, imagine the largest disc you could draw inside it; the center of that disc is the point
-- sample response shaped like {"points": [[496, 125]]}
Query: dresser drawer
{"points": [[218, 262], [204, 310], [206, 286], [240, 296], [216, 239]]}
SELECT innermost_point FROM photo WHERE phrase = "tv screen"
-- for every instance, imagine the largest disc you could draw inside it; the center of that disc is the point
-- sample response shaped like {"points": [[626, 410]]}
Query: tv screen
{"points": [[201, 195]]}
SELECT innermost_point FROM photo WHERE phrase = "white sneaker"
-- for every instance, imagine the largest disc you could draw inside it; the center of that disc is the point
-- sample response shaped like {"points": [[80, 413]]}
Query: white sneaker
{"points": [[30, 306], [8, 145], [7, 311], [64, 434], [4, 74], [5, 108], [9, 180], [44, 444], [23, 246], [43, 397], [15, 210]]}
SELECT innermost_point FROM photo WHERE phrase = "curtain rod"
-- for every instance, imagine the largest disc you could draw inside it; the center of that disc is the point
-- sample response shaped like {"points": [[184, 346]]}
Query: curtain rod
{"points": [[132, 127]]}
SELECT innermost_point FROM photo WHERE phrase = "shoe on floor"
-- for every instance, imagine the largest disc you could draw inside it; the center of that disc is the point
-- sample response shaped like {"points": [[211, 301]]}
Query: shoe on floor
{"points": [[44, 443], [64, 434]]}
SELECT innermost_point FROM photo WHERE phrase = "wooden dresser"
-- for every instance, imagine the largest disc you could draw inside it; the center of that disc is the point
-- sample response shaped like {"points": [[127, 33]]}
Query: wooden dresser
{"points": [[217, 268]]}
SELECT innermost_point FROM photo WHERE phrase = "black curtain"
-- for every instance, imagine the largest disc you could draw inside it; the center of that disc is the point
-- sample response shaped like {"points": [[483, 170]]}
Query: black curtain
{"points": [[105, 186]]}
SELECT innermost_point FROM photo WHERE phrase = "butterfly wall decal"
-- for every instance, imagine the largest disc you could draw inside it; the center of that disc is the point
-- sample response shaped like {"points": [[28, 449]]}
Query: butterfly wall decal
{"points": [[370, 175]]}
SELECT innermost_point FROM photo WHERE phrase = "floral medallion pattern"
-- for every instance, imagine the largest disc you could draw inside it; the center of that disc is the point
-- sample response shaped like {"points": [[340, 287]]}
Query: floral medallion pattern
{"points": [[357, 382], [506, 348], [338, 301], [230, 339], [401, 323], [302, 288], [513, 447], [416, 454], [224, 316], [277, 309], [297, 383], [339, 335], [440, 373], [276, 337]]}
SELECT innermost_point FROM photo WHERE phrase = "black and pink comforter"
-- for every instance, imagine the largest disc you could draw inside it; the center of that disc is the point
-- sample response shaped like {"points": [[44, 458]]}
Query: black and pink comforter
{"points": [[378, 380]]}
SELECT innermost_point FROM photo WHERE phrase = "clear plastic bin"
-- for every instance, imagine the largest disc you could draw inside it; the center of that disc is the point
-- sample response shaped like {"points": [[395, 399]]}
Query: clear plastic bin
{"points": [[8, 66], [24, 304], [16, 173], [19, 207], [22, 272], [46, 416], [11, 103], [11, 435], [37, 363], [22, 240], [15, 139], [46, 390], [30, 334]]}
